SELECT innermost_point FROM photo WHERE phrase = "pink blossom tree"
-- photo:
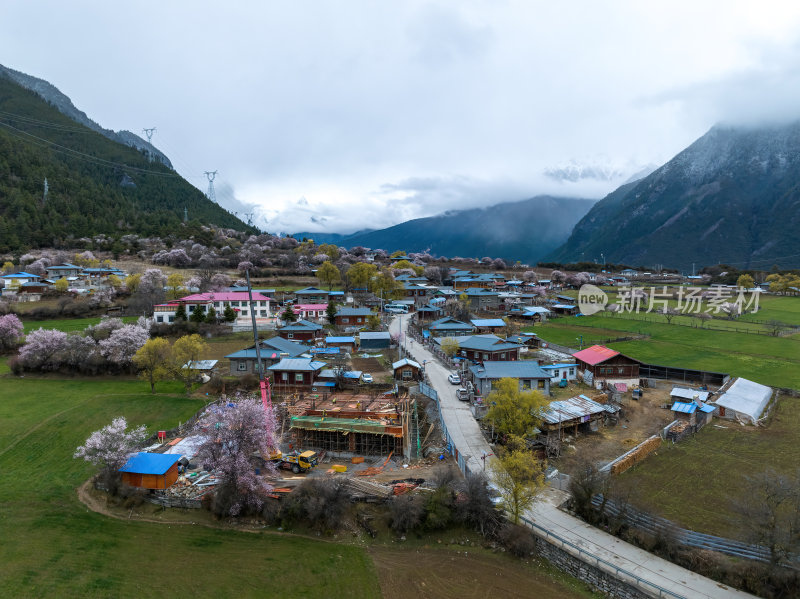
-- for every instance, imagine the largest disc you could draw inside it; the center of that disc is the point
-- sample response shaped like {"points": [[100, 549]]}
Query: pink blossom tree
{"points": [[123, 343], [234, 433], [110, 447], [219, 282], [10, 331], [41, 347], [244, 265]]}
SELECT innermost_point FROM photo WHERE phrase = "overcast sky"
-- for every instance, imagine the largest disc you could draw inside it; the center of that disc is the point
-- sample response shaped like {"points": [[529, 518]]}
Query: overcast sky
{"points": [[343, 115]]}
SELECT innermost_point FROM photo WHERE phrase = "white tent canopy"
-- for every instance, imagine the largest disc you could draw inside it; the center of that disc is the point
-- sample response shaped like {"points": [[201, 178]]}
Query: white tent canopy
{"points": [[746, 398]]}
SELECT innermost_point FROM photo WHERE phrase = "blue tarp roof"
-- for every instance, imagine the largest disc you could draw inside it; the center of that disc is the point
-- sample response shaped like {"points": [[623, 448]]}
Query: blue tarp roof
{"points": [[150, 463], [685, 408], [340, 339]]}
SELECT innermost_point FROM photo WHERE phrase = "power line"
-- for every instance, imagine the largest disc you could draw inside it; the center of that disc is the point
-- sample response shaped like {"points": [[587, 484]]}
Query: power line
{"points": [[81, 155]]}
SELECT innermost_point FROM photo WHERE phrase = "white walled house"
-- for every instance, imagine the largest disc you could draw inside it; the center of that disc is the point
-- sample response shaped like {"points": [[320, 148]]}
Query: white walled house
{"points": [[239, 301]]}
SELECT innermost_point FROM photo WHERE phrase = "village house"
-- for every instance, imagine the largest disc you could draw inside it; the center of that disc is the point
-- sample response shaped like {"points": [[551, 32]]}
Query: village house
{"points": [[561, 372], [13, 281], [346, 344], [311, 312], [482, 299], [527, 372], [428, 312], [487, 348], [238, 301], [63, 270], [352, 317], [529, 340], [488, 325], [372, 341], [419, 294], [407, 370], [272, 351], [311, 295], [534, 313], [150, 470], [449, 327], [302, 330], [295, 372], [599, 364]]}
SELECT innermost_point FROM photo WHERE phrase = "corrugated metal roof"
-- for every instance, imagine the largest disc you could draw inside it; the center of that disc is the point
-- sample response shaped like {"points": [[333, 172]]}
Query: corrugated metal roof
{"points": [[375, 335], [353, 312], [569, 409], [595, 354], [519, 369], [404, 362], [150, 463], [690, 394], [297, 364], [684, 408], [340, 339], [486, 343], [488, 322]]}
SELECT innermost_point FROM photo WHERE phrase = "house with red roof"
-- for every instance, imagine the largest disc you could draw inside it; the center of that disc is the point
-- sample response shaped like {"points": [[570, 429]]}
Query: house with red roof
{"points": [[598, 365], [239, 301]]}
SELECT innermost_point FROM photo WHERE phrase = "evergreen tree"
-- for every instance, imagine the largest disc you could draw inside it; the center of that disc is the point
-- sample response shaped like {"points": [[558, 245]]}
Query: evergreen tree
{"points": [[229, 314], [211, 315], [180, 313], [198, 315], [331, 312]]}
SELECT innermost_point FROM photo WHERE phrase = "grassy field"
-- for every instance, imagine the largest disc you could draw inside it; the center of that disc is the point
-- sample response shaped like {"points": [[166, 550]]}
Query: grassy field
{"points": [[53, 546], [762, 358], [692, 482], [68, 325]]}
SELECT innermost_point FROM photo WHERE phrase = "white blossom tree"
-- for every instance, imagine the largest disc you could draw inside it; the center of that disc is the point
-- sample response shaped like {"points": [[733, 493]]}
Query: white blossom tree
{"points": [[10, 331], [110, 447]]}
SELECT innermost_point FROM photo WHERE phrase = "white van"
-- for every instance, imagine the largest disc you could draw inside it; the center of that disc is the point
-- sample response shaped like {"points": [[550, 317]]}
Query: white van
{"points": [[396, 308]]}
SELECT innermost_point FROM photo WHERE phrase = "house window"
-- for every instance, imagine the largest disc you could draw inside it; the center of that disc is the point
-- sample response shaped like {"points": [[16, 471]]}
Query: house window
{"points": [[298, 377], [572, 372], [159, 319], [502, 356], [290, 335], [526, 384], [406, 375], [244, 313], [172, 319], [345, 319], [241, 366], [619, 370], [264, 313], [485, 356], [191, 308], [285, 376], [541, 384]]}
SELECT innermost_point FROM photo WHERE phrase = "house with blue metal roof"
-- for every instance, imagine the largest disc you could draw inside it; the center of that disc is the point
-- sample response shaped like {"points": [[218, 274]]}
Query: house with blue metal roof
{"points": [[486, 348], [527, 372], [344, 343], [150, 470], [449, 327], [296, 372], [302, 330], [352, 317], [272, 351], [488, 325], [482, 299]]}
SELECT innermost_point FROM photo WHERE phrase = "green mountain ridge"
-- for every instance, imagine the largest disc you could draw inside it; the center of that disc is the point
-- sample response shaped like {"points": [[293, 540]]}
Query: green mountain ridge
{"points": [[95, 185], [732, 197]]}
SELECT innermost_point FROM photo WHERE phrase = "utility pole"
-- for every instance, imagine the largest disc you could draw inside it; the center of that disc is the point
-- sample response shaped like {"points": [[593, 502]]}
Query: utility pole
{"points": [[262, 381], [211, 195], [149, 133], [185, 215], [46, 189]]}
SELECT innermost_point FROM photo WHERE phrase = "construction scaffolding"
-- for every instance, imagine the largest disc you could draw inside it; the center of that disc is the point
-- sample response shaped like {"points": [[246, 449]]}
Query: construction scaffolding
{"points": [[361, 426]]}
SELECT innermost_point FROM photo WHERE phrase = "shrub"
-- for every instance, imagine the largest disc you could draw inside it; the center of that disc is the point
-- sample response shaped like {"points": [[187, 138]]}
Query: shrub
{"points": [[518, 540]]}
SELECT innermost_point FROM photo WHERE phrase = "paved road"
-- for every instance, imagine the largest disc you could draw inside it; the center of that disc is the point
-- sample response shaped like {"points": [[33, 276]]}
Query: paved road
{"points": [[467, 436], [461, 425]]}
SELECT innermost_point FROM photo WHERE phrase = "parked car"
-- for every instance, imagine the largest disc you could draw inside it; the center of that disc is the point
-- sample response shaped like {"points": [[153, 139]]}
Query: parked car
{"points": [[462, 394], [454, 378], [367, 378]]}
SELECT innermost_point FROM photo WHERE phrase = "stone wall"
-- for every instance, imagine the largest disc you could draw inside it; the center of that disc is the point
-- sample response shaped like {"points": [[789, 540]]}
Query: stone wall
{"points": [[599, 579]]}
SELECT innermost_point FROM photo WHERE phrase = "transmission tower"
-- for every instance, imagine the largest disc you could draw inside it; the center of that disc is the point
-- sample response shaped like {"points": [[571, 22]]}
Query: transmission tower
{"points": [[149, 133], [211, 195], [249, 216]]}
